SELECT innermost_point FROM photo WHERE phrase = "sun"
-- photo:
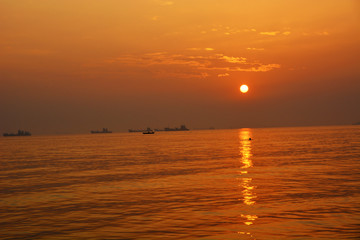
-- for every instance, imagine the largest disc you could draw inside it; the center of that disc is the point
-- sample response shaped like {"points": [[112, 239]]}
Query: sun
{"points": [[244, 88]]}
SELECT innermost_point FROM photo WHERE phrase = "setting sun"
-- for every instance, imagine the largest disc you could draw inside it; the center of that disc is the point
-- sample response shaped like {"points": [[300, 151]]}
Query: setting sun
{"points": [[244, 88]]}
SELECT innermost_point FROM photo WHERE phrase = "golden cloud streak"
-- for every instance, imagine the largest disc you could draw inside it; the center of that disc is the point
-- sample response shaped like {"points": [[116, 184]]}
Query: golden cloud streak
{"points": [[223, 75], [270, 33], [189, 66]]}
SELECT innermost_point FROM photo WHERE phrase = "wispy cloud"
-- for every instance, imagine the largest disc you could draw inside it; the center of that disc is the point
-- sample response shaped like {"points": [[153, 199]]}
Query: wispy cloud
{"points": [[287, 33], [226, 30], [232, 59], [322, 33], [201, 49], [190, 66], [270, 33], [255, 49], [223, 75]]}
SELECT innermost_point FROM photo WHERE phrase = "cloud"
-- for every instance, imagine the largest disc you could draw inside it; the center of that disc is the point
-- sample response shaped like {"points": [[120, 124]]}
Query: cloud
{"points": [[255, 49], [223, 75], [226, 30], [323, 33], [264, 67], [275, 33], [250, 30], [233, 59], [165, 64], [270, 33], [201, 49], [287, 33]]}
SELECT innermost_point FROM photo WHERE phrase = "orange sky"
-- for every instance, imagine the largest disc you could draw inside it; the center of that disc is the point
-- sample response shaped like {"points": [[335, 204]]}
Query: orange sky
{"points": [[71, 66]]}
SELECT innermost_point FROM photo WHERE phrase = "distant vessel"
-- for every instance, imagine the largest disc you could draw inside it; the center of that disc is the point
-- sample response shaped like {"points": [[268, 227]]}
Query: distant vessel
{"points": [[104, 130], [358, 123], [19, 133], [182, 128], [136, 130], [148, 131]]}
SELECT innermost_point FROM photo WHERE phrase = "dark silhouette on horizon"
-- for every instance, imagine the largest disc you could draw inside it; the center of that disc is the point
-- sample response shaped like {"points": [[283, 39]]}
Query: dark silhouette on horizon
{"points": [[104, 130], [182, 128], [149, 131], [19, 133]]}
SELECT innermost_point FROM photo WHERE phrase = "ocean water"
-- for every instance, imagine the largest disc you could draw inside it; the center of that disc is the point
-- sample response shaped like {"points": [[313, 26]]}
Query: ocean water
{"points": [[285, 183]]}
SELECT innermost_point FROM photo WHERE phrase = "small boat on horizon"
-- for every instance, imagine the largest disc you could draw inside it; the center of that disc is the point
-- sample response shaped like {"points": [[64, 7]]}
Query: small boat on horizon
{"points": [[148, 131]]}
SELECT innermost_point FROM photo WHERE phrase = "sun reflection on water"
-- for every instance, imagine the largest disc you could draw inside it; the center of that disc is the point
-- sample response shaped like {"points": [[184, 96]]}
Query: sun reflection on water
{"points": [[247, 189]]}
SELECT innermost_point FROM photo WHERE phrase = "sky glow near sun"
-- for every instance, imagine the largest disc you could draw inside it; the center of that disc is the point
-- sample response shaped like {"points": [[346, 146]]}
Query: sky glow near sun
{"points": [[108, 62]]}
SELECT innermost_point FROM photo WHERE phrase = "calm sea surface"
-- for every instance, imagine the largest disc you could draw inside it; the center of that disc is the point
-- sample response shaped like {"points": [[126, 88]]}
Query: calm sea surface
{"points": [[286, 183]]}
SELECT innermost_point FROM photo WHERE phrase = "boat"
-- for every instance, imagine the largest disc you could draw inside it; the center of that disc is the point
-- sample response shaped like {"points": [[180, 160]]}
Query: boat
{"points": [[104, 130], [148, 131], [19, 133]]}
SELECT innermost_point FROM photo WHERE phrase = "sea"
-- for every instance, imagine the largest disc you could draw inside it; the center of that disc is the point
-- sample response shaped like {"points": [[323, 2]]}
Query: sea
{"points": [[248, 183]]}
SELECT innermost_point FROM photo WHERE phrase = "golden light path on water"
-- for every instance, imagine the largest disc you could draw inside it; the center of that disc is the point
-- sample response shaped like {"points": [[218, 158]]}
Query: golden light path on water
{"points": [[247, 189]]}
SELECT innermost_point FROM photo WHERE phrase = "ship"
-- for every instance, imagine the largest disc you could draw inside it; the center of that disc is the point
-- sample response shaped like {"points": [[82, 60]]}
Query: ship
{"points": [[19, 133], [104, 130], [136, 130], [148, 131], [182, 128]]}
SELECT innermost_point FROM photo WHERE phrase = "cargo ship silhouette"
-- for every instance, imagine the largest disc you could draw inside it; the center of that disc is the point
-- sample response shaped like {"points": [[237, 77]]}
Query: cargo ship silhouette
{"points": [[19, 133], [104, 130], [182, 128]]}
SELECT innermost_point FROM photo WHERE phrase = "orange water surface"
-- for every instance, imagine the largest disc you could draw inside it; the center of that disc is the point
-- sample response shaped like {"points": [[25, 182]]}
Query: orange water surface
{"points": [[283, 183]]}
